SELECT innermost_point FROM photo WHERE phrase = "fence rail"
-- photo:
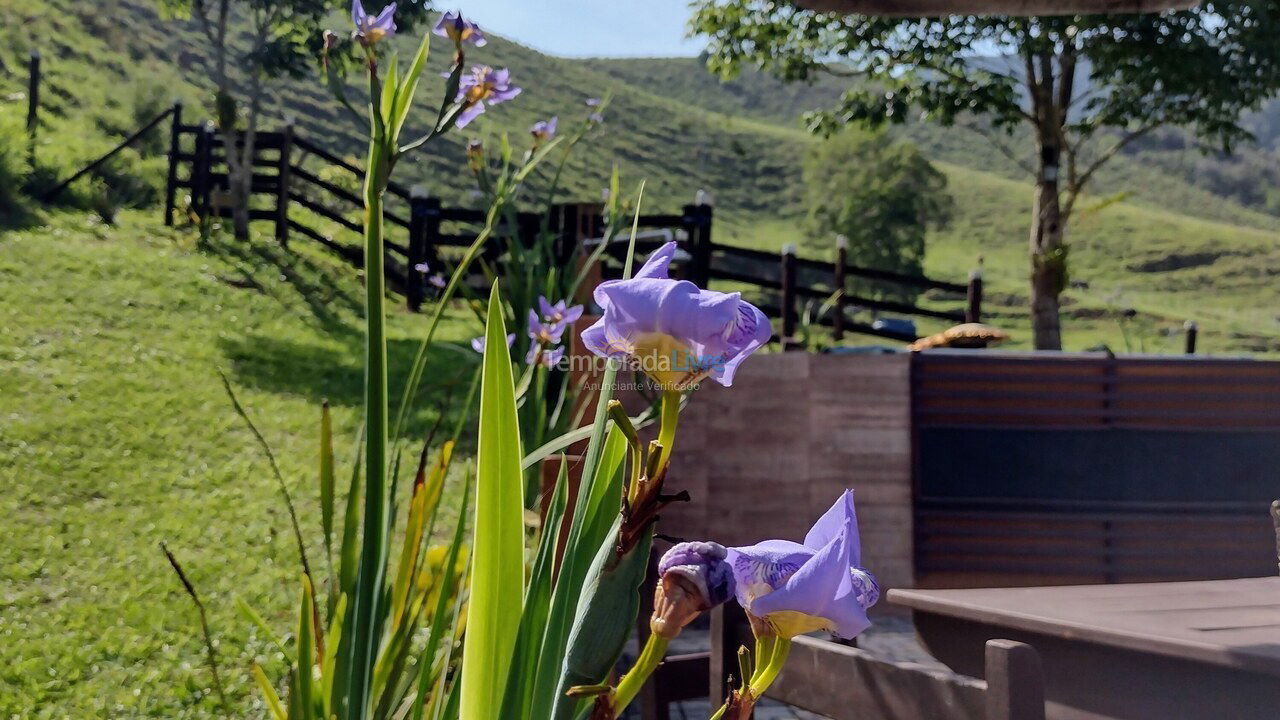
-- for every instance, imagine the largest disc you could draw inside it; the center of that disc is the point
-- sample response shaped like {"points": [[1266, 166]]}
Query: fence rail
{"points": [[197, 163]]}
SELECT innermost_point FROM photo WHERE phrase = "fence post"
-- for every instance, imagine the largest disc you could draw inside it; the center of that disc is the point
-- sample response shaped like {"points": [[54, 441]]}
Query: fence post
{"points": [[282, 187], [696, 219], [33, 104], [1192, 331], [1015, 682], [838, 284], [201, 168], [729, 631], [787, 267], [171, 180], [424, 229], [973, 308]]}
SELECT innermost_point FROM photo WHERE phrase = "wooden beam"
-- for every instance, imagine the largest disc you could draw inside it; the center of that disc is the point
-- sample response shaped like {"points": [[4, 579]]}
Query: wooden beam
{"points": [[933, 8]]}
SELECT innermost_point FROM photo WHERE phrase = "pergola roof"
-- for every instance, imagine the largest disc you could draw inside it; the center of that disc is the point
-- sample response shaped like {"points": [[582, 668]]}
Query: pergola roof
{"points": [[931, 8]]}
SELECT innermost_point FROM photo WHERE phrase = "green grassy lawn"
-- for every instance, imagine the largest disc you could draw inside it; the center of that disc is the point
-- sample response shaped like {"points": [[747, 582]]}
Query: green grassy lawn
{"points": [[116, 434]]}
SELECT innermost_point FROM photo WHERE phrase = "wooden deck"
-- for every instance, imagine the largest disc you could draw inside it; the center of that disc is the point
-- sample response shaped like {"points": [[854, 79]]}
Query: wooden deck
{"points": [[1208, 649]]}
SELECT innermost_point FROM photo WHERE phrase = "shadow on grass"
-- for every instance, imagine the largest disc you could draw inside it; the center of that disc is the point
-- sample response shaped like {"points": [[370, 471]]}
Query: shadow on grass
{"points": [[335, 374], [323, 289]]}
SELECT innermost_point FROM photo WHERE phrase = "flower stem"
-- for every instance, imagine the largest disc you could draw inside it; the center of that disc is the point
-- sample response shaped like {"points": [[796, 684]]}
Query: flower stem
{"points": [[650, 657], [670, 416], [364, 646], [766, 674]]}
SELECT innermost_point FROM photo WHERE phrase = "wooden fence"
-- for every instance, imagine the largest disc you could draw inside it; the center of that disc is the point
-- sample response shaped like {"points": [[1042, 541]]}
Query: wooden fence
{"points": [[282, 181]]}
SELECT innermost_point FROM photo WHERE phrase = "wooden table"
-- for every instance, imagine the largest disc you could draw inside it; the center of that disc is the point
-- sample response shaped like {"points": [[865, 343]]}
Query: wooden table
{"points": [[1166, 651]]}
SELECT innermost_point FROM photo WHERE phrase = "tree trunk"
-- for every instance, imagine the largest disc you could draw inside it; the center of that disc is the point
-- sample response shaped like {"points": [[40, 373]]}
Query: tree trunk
{"points": [[1048, 255]]}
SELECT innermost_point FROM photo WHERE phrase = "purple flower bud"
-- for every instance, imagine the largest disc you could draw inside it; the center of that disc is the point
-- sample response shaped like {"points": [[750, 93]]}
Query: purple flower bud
{"points": [[439, 281], [675, 331], [477, 343], [796, 588], [458, 29], [593, 102], [370, 29], [422, 267], [695, 577], [543, 130]]}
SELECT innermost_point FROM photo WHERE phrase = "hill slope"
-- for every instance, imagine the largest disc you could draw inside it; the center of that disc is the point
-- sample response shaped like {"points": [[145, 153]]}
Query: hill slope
{"points": [[682, 130]]}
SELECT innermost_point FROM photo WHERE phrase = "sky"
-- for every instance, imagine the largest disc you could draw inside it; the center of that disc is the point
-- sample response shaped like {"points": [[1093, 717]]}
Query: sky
{"points": [[596, 28]]}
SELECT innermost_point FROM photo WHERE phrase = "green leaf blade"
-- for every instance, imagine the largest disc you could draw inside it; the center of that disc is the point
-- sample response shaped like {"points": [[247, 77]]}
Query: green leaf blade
{"points": [[497, 578]]}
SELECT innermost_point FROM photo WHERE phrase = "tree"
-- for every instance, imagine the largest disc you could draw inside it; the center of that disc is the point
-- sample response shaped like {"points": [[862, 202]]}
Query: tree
{"points": [[1085, 86], [251, 45], [881, 195]]}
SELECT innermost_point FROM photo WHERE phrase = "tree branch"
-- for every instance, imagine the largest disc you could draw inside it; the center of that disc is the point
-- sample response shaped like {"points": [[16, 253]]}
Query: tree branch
{"points": [[1077, 186]]}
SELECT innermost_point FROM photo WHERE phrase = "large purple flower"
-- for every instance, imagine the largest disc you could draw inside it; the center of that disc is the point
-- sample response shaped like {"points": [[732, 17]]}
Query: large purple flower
{"points": [[459, 29], [370, 29], [482, 86], [675, 331], [798, 588]]}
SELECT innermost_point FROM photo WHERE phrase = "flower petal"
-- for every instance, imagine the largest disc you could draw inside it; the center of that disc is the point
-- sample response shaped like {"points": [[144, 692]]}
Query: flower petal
{"points": [[469, 114], [658, 263]]}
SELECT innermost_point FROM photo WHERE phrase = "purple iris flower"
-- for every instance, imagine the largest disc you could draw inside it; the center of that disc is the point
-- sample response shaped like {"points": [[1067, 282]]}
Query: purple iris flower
{"points": [[438, 281], [371, 29], [544, 357], [459, 29], [798, 588], [544, 130], [422, 267], [559, 314], [544, 333], [675, 331], [483, 85], [477, 343]]}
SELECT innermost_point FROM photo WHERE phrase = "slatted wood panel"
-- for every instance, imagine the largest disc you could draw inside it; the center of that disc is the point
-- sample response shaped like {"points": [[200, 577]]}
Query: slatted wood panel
{"points": [[1057, 468], [766, 457]]}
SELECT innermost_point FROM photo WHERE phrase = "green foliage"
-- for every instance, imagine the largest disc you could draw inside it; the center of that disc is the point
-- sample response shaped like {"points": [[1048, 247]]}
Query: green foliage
{"points": [[497, 581], [1084, 86], [880, 195]]}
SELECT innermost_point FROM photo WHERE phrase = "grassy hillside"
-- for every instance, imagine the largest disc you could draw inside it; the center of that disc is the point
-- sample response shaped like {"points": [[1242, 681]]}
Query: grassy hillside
{"points": [[1193, 254], [123, 437]]}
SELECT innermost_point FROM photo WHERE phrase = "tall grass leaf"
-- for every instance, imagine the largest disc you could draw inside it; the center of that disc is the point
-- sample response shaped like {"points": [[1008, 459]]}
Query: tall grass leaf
{"points": [[304, 679], [269, 694], [537, 604], [328, 666], [497, 578], [404, 98], [447, 584], [564, 601], [261, 624], [326, 481]]}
